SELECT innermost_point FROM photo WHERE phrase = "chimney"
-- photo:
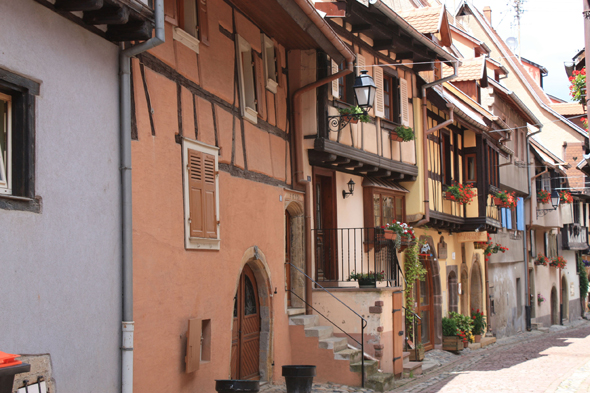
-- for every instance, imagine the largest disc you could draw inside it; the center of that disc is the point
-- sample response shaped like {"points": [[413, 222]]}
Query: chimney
{"points": [[487, 12]]}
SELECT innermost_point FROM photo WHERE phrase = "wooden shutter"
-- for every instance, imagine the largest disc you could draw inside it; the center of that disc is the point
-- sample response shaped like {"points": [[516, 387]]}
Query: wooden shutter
{"points": [[335, 90], [379, 103], [193, 345], [360, 64], [403, 100], [202, 194], [260, 84], [203, 21]]}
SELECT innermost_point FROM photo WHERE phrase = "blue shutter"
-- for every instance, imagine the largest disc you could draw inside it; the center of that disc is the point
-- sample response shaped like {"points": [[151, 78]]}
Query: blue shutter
{"points": [[503, 218], [520, 215], [509, 218]]}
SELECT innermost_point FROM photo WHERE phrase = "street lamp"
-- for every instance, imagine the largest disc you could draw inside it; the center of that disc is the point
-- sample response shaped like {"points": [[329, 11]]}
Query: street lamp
{"points": [[364, 93], [350, 189], [554, 204]]}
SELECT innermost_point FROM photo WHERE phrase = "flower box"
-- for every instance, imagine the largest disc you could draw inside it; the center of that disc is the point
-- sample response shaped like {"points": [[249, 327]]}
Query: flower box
{"points": [[367, 283], [395, 137], [452, 343], [388, 234], [417, 355]]}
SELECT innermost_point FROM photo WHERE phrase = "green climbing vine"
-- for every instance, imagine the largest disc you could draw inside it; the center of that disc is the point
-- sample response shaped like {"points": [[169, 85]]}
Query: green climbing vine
{"points": [[583, 279], [414, 270]]}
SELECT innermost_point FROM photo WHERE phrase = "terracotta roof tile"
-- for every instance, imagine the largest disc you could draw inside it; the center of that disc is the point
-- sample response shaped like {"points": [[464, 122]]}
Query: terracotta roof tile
{"points": [[568, 108], [470, 70], [426, 20]]}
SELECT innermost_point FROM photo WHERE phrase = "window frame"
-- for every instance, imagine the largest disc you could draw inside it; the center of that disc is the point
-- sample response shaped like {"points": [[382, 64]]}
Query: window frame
{"points": [[270, 61], [466, 174], [247, 81], [369, 206], [22, 92], [6, 161], [199, 243]]}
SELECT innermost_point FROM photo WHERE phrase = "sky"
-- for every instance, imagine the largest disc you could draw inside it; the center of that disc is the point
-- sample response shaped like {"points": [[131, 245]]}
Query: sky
{"points": [[552, 32]]}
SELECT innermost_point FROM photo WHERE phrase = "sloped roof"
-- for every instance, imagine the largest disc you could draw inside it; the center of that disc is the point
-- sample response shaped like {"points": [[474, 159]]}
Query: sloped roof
{"points": [[568, 108], [512, 99], [470, 70], [546, 156], [426, 20]]}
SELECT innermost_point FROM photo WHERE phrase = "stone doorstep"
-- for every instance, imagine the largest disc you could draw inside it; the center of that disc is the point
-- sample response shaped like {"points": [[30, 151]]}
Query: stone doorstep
{"points": [[485, 341], [406, 356], [305, 320], [413, 368], [295, 311], [371, 367], [381, 382]]}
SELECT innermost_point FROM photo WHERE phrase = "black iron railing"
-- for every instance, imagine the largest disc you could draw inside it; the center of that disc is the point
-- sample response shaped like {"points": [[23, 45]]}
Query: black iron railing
{"points": [[416, 320], [342, 251], [363, 321]]}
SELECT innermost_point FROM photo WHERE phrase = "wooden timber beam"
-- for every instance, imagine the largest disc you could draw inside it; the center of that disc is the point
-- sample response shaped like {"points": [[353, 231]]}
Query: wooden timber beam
{"points": [[359, 28], [107, 16], [382, 173], [78, 5]]}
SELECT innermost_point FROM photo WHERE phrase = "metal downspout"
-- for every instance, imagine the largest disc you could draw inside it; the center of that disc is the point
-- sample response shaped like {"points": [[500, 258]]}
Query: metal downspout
{"points": [[527, 305], [426, 218], [350, 57], [126, 197]]}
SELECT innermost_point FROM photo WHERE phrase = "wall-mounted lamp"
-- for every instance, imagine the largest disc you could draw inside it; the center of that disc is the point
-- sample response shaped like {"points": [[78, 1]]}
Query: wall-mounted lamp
{"points": [[350, 189], [364, 92], [554, 204]]}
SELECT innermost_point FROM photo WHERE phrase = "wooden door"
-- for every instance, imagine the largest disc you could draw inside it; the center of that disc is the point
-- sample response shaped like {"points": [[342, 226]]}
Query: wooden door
{"points": [[325, 223], [424, 306], [246, 329], [288, 256]]}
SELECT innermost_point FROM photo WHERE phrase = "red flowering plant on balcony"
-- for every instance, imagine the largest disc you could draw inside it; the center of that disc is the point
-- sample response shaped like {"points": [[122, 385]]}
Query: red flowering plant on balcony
{"points": [[491, 248], [584, 121], [543, 196], [405, 234], [565, 197], [541, 260], [505, 199], [558, 262], [463, 194], [578, 86]]}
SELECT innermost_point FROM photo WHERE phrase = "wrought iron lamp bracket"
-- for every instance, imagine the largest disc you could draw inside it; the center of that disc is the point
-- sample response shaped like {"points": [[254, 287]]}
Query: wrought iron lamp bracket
{"points": [[337, 123]]}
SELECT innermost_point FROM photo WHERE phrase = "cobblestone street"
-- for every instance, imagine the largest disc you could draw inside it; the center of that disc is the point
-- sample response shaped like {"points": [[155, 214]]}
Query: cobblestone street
{"points": [[557, 361]]}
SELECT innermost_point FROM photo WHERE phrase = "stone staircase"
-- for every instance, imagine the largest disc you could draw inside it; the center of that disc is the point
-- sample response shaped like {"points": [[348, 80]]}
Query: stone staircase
{"points": [[411, 369], [335, 371]]}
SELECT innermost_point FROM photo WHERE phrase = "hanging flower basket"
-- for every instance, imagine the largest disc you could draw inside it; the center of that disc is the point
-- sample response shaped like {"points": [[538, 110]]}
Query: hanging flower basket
{"points": [[505, 199], [463, 194], [402, 134], [543, 196], [578, 86], [565, 197], [389, 234], [558, 262], [541, 260]]}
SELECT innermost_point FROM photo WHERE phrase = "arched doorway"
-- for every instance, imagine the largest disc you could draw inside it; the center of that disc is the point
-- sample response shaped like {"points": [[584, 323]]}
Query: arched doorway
{"points": [[452, 291], [464, 289], [246, 329], [565, 299], [475, 289], [432, 311], [554, 307]]}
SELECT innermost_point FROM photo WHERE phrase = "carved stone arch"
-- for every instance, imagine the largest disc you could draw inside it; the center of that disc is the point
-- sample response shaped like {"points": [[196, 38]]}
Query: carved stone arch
{"points": [[295, 253], [476, 292], [436, 289], [256, 261]]}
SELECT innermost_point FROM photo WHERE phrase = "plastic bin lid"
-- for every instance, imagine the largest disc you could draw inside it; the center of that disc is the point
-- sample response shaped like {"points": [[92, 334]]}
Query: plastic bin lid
{"points": [[8, 359]]}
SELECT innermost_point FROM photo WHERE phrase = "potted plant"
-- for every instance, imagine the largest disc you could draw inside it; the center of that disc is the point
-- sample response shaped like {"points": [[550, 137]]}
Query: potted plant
{"points": [[578, 86], [543, 196], [479, 324], [354, 114], [402, 134], [541, 260], [451, 342], [490, 248], [463, 194], [565, 197], [558, 262], [367, 280], [388, 234], [505, 199], [405, 235], [417, 354], [540, 299], [464, 325]]}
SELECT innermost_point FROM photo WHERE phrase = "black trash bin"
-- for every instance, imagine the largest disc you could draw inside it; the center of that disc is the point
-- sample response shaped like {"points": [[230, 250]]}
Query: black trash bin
{"points": [[299, 379], [236, 386]]}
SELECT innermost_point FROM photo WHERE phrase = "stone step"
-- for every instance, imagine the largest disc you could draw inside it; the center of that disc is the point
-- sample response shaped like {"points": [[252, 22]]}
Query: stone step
{"points": [[320, 332], [335, 343], [305, 320], [406, 357], [412, 369], [381, 382], [352, 355], [485, 341], [371, 367]]}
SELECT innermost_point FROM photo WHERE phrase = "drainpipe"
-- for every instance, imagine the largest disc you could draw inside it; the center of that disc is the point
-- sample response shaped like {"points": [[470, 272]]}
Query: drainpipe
{"points": [[527, 295], [426, 218], [350, 57], [126, 213]]}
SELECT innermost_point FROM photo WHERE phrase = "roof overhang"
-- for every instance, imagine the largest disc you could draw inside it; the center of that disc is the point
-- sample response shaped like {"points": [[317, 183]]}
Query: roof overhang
{"points": [[515, 103]]}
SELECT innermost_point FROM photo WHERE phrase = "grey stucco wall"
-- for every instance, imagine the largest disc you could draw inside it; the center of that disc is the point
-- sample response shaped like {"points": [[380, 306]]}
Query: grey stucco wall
{"points": [[507, 319], [60, 271]]}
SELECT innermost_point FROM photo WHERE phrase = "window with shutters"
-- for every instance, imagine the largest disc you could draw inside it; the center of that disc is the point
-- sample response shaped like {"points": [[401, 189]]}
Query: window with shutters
{"points": [[247, 80], [193, 24], [201, 195], [391, 97], [271, 64]]}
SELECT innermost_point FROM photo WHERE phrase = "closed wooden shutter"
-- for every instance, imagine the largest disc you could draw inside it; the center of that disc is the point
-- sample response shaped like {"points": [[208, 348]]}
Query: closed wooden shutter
{"points": [[335, 90], [403, 99], [379, 103], [203, 21], [360, 64], [260, 83], [193, 345], [202, 194]]}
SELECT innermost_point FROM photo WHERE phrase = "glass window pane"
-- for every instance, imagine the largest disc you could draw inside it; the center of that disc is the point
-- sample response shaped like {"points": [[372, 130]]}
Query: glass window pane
{"points": [[377, 210], [250, 301], [399, 212], [425, 327], [4, 135], [388, 214]]}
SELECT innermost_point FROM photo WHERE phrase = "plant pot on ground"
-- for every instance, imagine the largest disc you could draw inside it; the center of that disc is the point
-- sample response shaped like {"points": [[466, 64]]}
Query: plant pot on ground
{"points": [[367, 280], [479, 324], [417, 354]]}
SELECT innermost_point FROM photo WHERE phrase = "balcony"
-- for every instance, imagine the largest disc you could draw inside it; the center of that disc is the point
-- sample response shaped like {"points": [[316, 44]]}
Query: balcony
{"points": [[341, 251], [574, 237]]}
